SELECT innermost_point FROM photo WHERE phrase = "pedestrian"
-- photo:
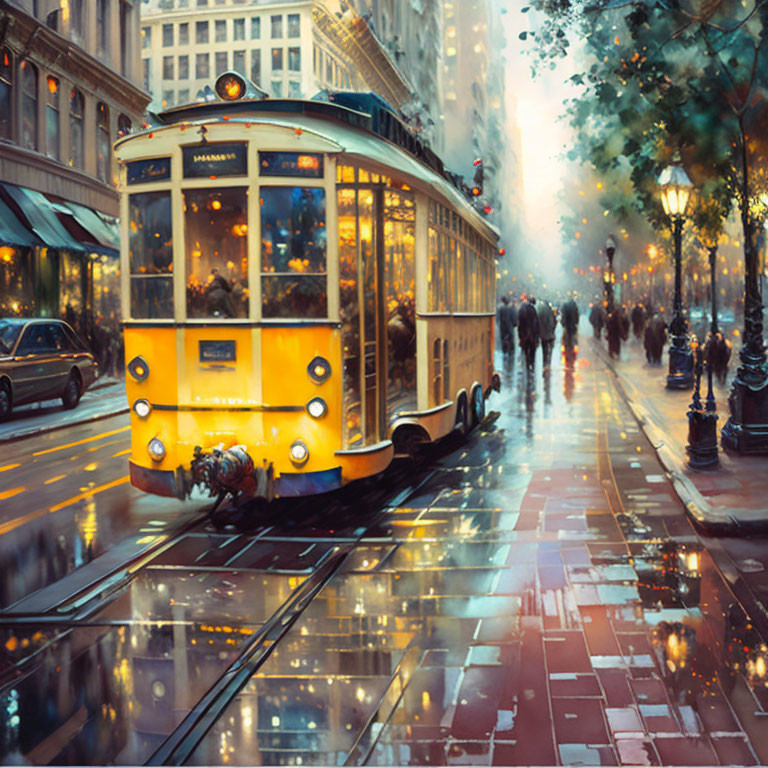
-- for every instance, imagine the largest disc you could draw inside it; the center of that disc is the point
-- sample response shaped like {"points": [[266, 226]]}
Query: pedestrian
{"points": [[507, 317], [597, 319], [547, 326], [569, 317], [638, 320], [528, 330], [617, 329], [655, 339], [718, 353]]}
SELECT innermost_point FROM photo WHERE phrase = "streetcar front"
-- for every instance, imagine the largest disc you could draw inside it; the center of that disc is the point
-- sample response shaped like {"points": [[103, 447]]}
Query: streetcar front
{"points": [[293, 305]]}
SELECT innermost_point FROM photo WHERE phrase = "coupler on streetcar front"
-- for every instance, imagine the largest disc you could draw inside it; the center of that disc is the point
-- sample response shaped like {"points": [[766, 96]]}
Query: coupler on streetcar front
{"points": [[231, 472]]}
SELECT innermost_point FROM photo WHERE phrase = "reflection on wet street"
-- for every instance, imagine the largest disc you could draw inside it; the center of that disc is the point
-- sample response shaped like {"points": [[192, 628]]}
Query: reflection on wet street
{"points": [[532, 595]]}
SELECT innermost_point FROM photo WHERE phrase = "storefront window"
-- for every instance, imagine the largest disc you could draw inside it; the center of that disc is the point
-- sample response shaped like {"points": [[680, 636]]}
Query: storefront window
{"points": [[150, 249], [17, 296], [76, 108], [102, 141], [293, 252], [123, 126], [71, 291], [52, 118], [6, 93], [216, 237], [28, 79]]}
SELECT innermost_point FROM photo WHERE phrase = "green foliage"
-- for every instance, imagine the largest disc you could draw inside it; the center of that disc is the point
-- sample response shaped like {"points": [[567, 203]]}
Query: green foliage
{"points": [[667, 78]]}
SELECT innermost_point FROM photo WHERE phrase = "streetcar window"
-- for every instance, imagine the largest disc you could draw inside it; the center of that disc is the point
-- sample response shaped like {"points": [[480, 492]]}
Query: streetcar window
{"points": [[433, 274], [345, 174], [216, 240], [150, 252], [353, 229], [293, 252]]}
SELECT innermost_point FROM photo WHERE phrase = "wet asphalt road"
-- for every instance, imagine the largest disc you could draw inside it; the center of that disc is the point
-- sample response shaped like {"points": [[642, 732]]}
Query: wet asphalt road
{"points": [[533, 594]]}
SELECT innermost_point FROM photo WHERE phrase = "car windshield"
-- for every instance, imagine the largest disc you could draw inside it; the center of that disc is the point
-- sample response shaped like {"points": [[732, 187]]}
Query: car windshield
{"points": [[9, 332]]}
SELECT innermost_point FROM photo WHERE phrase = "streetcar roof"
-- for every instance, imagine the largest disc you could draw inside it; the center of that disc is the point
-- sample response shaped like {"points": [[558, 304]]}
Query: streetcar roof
{"points": [[352, 133]]}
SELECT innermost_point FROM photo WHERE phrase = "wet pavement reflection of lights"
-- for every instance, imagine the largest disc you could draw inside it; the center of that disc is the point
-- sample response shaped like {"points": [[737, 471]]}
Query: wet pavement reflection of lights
{"points": [[538, 599]]}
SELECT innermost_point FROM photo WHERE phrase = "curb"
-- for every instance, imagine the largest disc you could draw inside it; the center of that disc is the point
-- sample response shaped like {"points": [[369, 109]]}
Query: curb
{"points": [[14, 438], [711, 520]]}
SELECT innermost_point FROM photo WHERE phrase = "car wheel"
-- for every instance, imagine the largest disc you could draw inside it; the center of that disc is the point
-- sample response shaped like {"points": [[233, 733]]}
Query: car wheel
{"points": [[71, 396], [5, 402]]}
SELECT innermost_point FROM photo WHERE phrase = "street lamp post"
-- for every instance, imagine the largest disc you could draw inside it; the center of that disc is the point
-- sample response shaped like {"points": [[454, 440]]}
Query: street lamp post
{"points": [[675, 193], [610, 250]]}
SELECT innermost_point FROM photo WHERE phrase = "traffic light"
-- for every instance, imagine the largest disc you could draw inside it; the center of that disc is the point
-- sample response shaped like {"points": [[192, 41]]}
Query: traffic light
{"points": [[477, 188]]}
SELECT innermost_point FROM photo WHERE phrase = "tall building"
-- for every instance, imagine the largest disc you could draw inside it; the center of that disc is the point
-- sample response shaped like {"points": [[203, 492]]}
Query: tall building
{"points": [[69, 86], [289, 49]]}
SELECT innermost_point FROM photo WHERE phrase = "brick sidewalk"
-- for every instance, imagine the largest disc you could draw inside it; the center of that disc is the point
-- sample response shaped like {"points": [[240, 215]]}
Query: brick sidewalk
{"points": [[730, 498]]}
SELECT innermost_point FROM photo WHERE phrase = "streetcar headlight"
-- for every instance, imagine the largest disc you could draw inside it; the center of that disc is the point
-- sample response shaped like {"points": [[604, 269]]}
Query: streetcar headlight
{"points": [[138, 368], [230, 86], [319, 370], [299, 452], [156, 449], [142, 408], [317, 407]]}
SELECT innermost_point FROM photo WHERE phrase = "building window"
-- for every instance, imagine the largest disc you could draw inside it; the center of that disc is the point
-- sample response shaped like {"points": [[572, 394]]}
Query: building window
{"points": [[202, 66], [238, 29], [123, 126], [202, 3], [294, 89], [76, 21], [277, 59], [201, 31], [6, 93], [53, 19], [167, 99], [221, 62], [256, 66], [28, 83], [294, 59], [76, 137], [52, 147], [102, 25], [277, 89], [238, 61], [102, 141], [167, 67], [183, 67], [256, 28], [184, 96], [294, 25], [221, 31], [124, 37], [146, 37], [167, 35], [145, 69], [184, 34], [277, 27]]}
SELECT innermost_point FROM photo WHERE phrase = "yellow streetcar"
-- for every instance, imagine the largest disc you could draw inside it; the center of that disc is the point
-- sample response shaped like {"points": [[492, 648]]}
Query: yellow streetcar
{"points": [[307, 293]]}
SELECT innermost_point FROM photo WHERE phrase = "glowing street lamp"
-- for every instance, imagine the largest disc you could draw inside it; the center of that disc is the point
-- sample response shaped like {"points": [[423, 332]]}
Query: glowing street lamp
{"points": [[676, 188]]}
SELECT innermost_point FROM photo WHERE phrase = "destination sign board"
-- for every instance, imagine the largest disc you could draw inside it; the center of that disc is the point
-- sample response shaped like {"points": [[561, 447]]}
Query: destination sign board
{"points": [[206, 160], [145, 171]]}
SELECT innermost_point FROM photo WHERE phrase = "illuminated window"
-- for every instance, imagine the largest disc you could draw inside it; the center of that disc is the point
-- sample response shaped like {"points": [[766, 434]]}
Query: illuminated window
{"points": [[216, 241], [52, 142], [277, 59], [6, 93]]}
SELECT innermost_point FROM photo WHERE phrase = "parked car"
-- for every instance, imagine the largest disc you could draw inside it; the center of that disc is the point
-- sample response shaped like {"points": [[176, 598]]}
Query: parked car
{"points": [[42, 359]]}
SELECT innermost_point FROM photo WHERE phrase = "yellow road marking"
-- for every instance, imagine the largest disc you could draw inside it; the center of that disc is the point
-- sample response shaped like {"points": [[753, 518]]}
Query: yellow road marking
{"points": [[54, 479], [90, 492], [12, 492], [9, 466], [82, 442], [121, 453], [12, 525]]}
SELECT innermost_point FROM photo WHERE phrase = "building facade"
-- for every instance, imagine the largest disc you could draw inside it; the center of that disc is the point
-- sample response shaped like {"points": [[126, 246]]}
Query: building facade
{"points": [[69, 86], [288, 49]]}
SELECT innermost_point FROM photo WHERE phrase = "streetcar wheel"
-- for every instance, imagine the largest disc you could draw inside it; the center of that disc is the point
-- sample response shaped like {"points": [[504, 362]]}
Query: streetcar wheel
{"points": [[478, 406], [5, 402]]}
